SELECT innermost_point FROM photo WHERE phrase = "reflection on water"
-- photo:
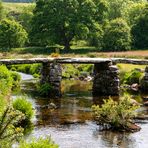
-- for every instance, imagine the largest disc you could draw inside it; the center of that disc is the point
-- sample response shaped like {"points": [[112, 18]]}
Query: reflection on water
{"points": [[69, 121]]}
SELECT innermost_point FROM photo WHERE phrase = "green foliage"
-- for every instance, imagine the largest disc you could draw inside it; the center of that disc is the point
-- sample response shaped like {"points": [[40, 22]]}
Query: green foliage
{"points": [[117, 36], [132, 77], [9, 132], [96, 36], [33, 69], [24, 106], [133, 12], [69, 71], [118, 115], [39, 143], [44, 89], [6, 81], [74, 71], [60, 22], [1, 10], [16, 79], [25, 17], [12, 34], [140, 30]]}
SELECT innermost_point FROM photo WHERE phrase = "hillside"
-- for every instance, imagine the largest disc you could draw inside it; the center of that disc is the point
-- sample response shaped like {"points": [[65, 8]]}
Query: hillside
{"points": [[19, 1]]}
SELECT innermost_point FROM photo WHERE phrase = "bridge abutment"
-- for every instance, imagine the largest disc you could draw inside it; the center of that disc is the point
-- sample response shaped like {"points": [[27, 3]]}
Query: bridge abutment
{"points": [[144, 81], [52, 74], [106, 80]]}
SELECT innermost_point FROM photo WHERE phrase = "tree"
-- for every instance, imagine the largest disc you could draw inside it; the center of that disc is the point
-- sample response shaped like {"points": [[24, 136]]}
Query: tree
{"points": [[12, 34], [140, 30], [116, 7], [60, 21], [25, 17], [132, 12], [117, 36], [96, 36], [1, 10]]}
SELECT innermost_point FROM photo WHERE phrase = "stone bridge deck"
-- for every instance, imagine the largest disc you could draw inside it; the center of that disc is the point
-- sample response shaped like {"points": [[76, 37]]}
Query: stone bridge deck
{"points": [[74, 61], [57, 60], [105, 82]]}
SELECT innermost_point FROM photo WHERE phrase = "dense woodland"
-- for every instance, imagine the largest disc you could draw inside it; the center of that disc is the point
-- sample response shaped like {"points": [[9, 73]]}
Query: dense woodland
{"points": [[109, 25]]}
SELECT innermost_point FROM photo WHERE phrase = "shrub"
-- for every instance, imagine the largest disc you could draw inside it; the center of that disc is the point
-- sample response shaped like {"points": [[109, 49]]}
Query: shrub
{"points": [[9, 132], [24, 106], [117, 36], [27, 68], [5, 86], [40, 143], [69, 71], [12, 34], [16, 79], [44, 89], [5, 81], [118, 115], [132, 77]]}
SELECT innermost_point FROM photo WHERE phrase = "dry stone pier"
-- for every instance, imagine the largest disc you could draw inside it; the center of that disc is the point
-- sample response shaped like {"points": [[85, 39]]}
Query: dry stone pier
{"points": [[106, 80], [144, 81]]}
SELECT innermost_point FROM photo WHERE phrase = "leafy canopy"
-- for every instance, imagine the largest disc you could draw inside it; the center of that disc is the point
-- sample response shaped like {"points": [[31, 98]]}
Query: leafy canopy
{"points": [[140, 30], [117, 36], [12, 34], [60, 21]]}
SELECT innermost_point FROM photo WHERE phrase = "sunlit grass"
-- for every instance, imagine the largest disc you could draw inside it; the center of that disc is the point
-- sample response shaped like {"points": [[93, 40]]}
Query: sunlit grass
{"points": [[129, 67], [16, 7]]}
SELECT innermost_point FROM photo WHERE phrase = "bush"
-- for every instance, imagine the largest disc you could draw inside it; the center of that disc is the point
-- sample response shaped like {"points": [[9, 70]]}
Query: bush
{"points": [[16, 79], [40, 143], [117, 36], [33, 69], [69, 71], [5, 81], [118, 115], [12, 34], [9, 132], [24, 106], [44, 89], [132, 77]]}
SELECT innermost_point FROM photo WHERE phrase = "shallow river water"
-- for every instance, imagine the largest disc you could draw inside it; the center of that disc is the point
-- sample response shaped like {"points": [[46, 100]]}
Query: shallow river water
{"points": [[69, 120]]}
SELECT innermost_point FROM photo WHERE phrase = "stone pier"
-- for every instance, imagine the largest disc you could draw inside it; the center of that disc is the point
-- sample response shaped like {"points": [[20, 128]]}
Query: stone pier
{"points": [[144, 81], [52, 74], [106, 80]]}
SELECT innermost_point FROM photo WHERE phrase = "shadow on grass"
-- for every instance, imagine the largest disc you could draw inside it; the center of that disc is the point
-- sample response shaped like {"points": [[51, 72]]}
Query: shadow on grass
{"points": [[53, 49]]}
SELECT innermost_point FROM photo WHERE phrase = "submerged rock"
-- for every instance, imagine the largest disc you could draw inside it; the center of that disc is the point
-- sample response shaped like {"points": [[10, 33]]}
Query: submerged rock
{"points": [[134, 128], [135, 86]]}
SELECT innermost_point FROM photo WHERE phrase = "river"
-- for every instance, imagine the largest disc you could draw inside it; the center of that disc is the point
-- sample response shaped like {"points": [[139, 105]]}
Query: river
{"points": [[69, 120]]}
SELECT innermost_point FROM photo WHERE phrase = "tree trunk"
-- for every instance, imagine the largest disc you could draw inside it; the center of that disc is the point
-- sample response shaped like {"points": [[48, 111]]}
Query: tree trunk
{"points": [[67, 46]]}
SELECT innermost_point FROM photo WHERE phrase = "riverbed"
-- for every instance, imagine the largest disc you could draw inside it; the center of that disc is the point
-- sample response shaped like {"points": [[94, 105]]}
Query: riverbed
{"points": [[69, 120]]}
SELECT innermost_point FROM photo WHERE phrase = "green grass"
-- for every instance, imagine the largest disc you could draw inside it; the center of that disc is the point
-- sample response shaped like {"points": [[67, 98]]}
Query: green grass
{"points": [[75, 51], [130, 67], [16, 7]]}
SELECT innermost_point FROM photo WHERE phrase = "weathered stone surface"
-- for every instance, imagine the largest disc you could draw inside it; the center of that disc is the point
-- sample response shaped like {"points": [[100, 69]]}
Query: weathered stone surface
{"points": [[55, 60], [74, 60], [130, 61], [52, 74], [144, 81], [106, 81]]}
